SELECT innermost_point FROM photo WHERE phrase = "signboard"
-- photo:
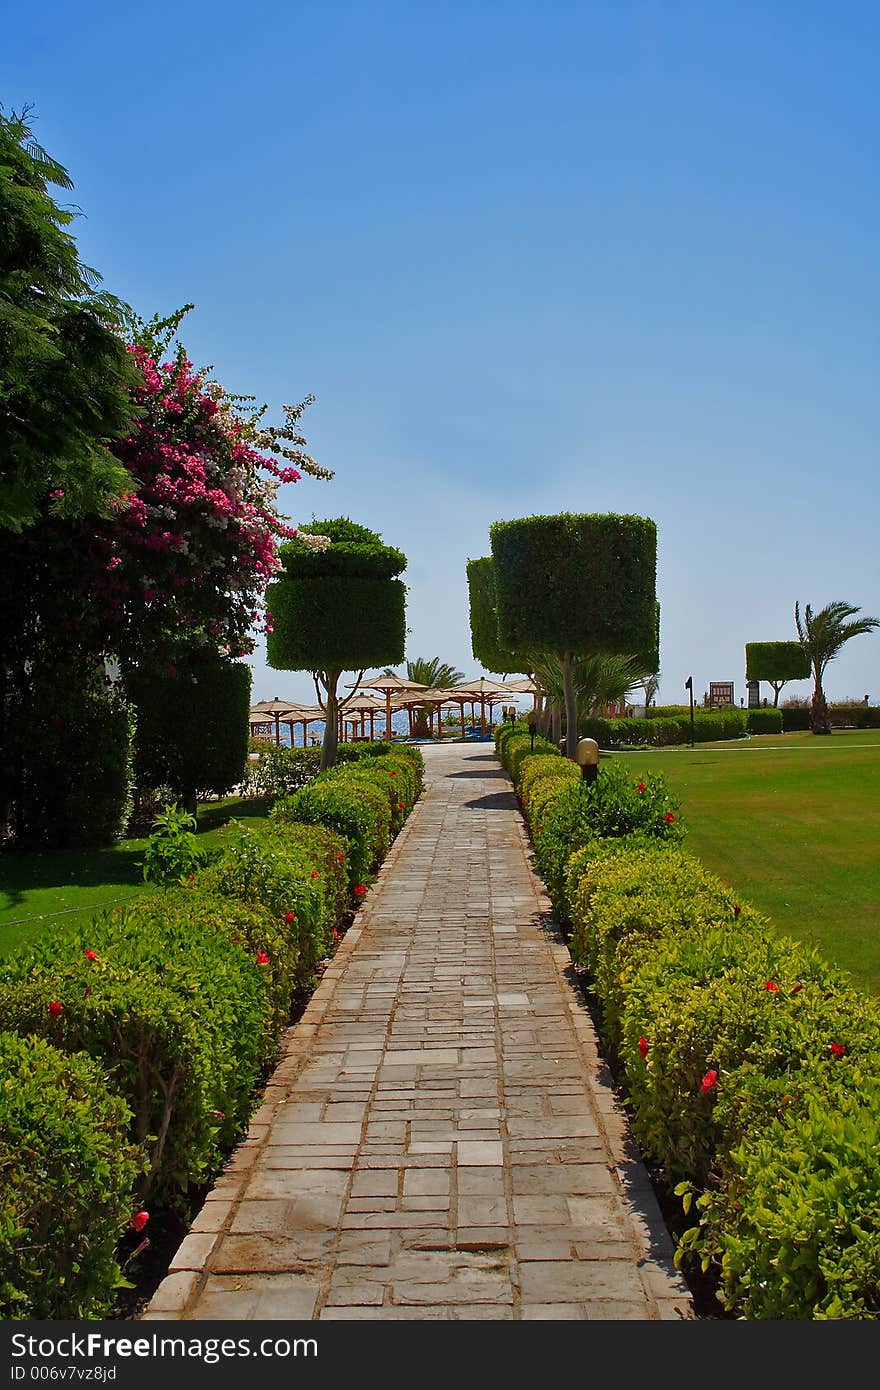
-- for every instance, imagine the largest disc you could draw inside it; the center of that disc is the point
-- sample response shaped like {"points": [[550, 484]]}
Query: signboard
{"points": [[720, 693]]}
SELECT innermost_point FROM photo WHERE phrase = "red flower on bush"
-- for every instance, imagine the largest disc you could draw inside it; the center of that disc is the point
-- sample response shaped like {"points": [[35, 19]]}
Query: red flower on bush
{"points": [[90, 955], [335, 933], [669, 818], [640, 788], [709, 1082], [314, 873], [401, 805], [219, 1114], [836, 1049], [796, 989], [290, 918], [360, 890], [262, 958], [139, 1220], [643, 1046], [340, 858], [772, 986], [56, 1008], [392, 774]]}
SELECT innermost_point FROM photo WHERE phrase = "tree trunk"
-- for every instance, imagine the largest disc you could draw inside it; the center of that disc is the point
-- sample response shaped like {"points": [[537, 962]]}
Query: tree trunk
{"points": [[331, 722], [820, 722], [556, 722], [777, 687], [571, 720]]}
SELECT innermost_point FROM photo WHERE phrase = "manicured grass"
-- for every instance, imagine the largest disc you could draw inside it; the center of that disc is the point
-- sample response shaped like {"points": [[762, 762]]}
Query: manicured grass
{"points": [[793, 823], [40, 890]]}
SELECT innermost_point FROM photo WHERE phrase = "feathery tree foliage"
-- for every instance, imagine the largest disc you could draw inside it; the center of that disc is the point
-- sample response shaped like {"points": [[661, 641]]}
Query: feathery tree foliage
{"points": [[598, 680], [822, 635], [65, 376]]}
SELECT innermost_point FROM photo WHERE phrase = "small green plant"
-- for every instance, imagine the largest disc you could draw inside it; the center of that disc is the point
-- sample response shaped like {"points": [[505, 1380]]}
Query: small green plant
{"points": [[173, 853]]}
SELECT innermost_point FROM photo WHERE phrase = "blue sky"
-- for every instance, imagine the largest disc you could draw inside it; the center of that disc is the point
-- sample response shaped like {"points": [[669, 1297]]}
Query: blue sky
{"points": [[584, 257]]}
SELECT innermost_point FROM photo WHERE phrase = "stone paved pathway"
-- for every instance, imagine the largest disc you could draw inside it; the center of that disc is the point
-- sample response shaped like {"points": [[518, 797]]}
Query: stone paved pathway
{"points": [[440, 1139]]}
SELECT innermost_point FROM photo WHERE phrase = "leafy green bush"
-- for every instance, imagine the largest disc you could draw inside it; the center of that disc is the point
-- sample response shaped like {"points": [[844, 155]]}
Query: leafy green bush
{"points": [[174, 1013], [764, 721], [360, 813], [280, 771], [795, 719], [192, 725], [295, 873], [854, 716], [537, 772], [173, 853], [70, 786], [66, 1178], [615, 804], [795, 1227]]}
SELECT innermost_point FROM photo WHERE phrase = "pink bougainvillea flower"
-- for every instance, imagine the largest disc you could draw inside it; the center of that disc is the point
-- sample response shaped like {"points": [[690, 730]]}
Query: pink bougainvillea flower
{"points": [[709, 1082], [140, 1219], [643, 1046], [772, 986], [262, 958], [640, 788], [219, 1114], [360, 890], [669, 818], [836, 1049], [290, 918], [90, 955], [56, 1008]]}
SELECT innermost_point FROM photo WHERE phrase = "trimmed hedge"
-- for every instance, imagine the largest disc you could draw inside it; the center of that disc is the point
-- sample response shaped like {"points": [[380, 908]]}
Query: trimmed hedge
{"points": [[750, 1063], [66, 1178], [662, 731], [795, 719], [175, 1015], [764, 721]]}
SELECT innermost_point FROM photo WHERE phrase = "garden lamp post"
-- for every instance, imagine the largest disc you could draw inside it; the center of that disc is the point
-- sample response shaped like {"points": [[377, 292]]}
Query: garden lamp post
{"points": [[587, 755], [532, 726], [689, 686]]}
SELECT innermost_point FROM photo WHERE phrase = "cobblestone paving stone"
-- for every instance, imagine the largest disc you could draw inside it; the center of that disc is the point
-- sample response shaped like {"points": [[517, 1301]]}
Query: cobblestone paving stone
{"points": [[440, 1139]]}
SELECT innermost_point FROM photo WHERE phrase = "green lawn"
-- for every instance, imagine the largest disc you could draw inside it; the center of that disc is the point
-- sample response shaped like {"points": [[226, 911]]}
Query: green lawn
{"points": [[793, 823], [38, 891]]}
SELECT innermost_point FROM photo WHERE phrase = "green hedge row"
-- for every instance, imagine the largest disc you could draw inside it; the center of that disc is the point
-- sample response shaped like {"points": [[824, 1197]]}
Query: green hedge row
{"points": [[661, 731], [796, 718], [750, 1063], [764, 721], [171, 1007]]}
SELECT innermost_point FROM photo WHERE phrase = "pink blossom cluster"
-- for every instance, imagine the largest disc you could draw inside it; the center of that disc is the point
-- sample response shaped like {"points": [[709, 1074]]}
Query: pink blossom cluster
{"points": [[193, 544]]}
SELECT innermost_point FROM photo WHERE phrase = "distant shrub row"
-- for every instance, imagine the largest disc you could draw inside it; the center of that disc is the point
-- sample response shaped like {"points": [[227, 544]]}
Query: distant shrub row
{"points": [[130, 1047], [751, 1065]]}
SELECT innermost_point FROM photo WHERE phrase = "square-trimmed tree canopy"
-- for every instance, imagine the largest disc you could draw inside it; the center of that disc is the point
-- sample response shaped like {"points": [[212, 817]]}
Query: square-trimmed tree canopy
{"points": [[485, 646], [776, 661], [577, 583]]}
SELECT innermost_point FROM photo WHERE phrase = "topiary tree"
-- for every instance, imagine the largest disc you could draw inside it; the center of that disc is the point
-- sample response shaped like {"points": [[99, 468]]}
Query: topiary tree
{"points": [[192, 725], [338, 605], [485, 644], [776, 663], [576, 585]]}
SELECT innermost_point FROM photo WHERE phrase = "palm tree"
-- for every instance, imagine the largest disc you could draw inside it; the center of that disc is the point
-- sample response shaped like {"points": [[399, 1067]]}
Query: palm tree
{"points": [[434, 673], [599, 680], [822, 635]]}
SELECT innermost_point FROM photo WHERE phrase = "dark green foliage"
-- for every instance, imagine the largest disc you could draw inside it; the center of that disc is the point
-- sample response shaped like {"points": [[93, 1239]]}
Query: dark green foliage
{"points": [[581, 584], [173, 853], [663, 732], [341, 608], [854, 716], [764, 721], [174, 1014], [192, 726], [64, 372], [68, 760], [795, 719], [776, 661], [66, 1177], [483, 597], [280, 770]]}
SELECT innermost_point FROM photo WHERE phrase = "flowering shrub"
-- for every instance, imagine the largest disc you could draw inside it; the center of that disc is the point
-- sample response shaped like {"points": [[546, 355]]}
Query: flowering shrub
{"points": [[173, 852], [173, 1013], [66, 1176]]}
